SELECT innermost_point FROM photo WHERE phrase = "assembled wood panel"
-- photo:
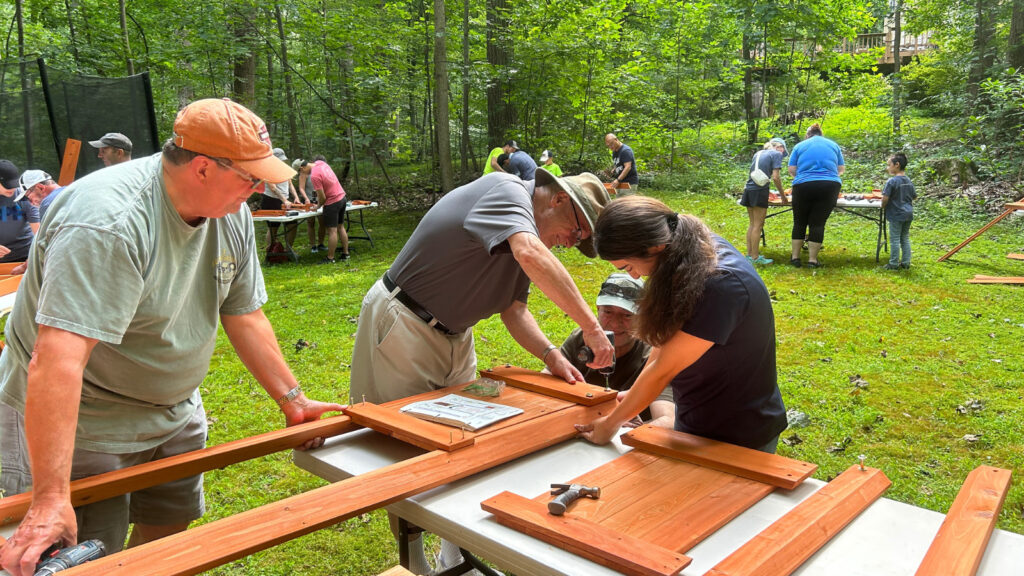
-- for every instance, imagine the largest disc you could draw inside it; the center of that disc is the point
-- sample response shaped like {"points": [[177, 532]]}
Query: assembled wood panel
{"points": [[782, 547], [110, 484], [580, 392], [591, 540], [221, 541], [770, 469], [959, 546]]}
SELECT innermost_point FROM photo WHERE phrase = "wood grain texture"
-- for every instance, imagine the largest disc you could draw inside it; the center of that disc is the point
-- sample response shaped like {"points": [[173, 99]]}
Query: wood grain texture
{"points": [[580, 392], [782, 547], [10, 285], [69, 164], [396, 571], [1014, 256], [110, 484], [959, 546], [593, 541], [222, 541], [979, 279], [772, 469], [409, 429]]}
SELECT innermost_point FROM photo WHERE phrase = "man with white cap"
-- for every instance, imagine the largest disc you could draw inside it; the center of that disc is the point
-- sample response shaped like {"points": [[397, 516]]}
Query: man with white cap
{"points": [[114, 148], [617, 302], [40, 189], [472, 255], [19, 219], [116, 322]]}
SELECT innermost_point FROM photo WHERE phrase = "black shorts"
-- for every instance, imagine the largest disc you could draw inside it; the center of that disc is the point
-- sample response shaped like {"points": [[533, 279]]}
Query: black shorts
{"points": [[333, 212], [271, 203], [757, 198]]}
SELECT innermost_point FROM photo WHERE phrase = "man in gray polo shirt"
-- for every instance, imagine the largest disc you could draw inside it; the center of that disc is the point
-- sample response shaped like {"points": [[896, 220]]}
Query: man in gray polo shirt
{"points": [[473, 255]]}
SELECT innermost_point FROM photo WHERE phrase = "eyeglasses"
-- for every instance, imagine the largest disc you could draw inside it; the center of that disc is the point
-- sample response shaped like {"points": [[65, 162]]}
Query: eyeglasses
{"points": [[579, 229], [256, 182], [627, 292]]}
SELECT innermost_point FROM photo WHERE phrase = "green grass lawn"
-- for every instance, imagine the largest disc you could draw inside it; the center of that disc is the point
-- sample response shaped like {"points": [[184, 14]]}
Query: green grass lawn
{"points": [[879, 361]]}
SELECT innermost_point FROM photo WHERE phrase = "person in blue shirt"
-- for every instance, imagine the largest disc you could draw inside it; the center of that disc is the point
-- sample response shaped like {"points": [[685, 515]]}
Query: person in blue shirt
{"points": [[40, 189], [898, 200], [816, 165]]}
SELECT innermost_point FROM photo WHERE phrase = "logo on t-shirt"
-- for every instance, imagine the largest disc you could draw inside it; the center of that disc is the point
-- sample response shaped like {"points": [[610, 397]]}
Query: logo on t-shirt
{"points": [[226, 268]]}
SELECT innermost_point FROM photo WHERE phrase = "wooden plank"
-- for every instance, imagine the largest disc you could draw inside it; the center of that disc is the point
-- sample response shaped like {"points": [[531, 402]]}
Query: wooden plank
{"points": [[1019, 205], [1013, 256], [396, 571], [69, 164], [617, 551], [10, 285], [782, 547], [222, 541], [772, 469], [409, 429], [117, 482], [7, 267], [959, 546], [580, 392], [1009, 210], [979, 279]]}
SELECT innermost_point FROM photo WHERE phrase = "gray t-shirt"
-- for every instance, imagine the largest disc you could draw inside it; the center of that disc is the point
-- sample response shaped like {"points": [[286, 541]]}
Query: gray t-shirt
{"points": [[457, 264], [521, 164], [901, 193], [133, 275], [15, 232], [768, 161]]}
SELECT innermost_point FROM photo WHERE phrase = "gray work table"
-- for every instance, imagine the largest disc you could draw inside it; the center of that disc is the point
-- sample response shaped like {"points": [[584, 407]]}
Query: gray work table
{"points": [[889, 538]]}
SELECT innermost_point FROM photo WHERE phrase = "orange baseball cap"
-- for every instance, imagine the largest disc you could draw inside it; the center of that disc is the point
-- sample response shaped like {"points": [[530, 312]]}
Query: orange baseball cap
{"points": [[221, 128]]}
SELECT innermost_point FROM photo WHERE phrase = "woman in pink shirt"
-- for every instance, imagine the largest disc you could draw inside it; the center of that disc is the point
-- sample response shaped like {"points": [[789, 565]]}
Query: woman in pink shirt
{"points": [[332, 197]]}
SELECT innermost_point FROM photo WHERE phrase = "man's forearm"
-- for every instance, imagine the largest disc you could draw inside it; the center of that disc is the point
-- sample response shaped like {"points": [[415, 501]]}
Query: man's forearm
{"points": [[523, 327], [553, 280], [253, 339]]}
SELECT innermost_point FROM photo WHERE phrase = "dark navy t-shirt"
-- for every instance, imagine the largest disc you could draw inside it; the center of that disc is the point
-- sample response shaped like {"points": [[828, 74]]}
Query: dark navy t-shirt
{"points": [[620, 157], [731, 393], [15, 232]]}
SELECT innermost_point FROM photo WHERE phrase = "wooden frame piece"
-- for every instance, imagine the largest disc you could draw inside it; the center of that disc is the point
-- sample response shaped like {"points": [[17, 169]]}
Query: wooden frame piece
{"points": [[959, 546], [771, 469], [7, 267], [607, 547], [1010, 208], [10, 285], [69, 164], [409, 429], [222, 541], [1013, 256], [979, 279], [782, 547], [580, 392], [115, 483]]}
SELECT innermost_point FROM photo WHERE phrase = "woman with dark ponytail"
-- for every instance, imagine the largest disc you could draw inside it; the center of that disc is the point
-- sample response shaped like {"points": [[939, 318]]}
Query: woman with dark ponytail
{"points": [[709, 318]]}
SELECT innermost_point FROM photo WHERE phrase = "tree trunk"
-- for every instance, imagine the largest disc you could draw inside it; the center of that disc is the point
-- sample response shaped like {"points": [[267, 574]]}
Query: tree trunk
{"points": [[243, 84], [464, 140], [293, 129], [897, 104], [748, 91], [71, 34], [129, 65], [982, 56], [500, 112], [26, 84], [1015, 51], [444, 151]]}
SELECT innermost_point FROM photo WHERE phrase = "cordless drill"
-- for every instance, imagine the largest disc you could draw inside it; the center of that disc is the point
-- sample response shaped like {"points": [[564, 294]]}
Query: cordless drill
{"points": [[587, 355], [58, 559]]}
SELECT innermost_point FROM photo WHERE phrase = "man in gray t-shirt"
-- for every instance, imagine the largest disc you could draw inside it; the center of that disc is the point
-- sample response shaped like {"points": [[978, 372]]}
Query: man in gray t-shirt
{"points": [[116, 322]]}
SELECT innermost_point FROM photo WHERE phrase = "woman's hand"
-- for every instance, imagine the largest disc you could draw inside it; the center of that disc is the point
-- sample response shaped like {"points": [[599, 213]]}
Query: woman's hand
{"points": [[600, 431]]}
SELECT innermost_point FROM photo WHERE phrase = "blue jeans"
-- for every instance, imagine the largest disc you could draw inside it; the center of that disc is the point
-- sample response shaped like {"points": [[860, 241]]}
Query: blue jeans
{"points": [[899, 241]]}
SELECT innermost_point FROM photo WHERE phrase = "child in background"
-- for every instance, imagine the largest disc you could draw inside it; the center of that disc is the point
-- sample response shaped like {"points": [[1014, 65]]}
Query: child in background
{"points": [[547, 162], [897, 200]]}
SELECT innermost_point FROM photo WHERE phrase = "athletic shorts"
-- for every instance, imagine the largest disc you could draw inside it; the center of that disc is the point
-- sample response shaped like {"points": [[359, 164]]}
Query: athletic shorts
{"points": [[333, 213]]}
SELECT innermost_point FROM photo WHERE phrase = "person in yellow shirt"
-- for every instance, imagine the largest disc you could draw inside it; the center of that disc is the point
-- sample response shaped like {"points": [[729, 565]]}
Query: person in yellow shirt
{"points": [[547, 162]]}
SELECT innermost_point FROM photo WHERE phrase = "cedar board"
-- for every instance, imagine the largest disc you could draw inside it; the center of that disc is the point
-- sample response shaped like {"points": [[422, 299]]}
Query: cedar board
{"points": [[979, 279], [773, 469], [580, 392], [10, 285], [959, 546], [591, 540], [782, 547]]}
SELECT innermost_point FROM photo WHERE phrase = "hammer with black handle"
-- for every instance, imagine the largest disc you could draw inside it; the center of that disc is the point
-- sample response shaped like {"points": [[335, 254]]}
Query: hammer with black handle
{"points": [[569, 493]]}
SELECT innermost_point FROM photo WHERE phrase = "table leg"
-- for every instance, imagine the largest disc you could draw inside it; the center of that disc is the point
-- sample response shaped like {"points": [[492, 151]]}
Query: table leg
{"points": [[362, 225], [469, 562]]}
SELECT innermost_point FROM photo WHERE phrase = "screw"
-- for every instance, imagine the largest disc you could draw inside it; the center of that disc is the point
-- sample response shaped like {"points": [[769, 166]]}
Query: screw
{"points": [[861, 458], [590, 395], [364, 398]]}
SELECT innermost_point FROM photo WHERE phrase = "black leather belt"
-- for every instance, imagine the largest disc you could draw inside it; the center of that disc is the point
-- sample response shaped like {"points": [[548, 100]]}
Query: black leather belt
{"points": [[415, 308]]}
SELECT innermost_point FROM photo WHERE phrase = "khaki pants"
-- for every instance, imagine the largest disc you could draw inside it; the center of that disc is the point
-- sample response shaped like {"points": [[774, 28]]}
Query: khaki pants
{"points": [[176, 502], [396, 354]]}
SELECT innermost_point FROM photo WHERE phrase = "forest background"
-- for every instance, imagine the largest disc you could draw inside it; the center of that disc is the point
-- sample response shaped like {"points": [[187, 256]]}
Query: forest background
{"points": [[913, 369]]}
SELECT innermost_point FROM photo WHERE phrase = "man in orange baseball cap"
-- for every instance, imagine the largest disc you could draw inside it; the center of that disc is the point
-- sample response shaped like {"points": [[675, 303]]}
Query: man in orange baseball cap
{"points": [[115, 324]]}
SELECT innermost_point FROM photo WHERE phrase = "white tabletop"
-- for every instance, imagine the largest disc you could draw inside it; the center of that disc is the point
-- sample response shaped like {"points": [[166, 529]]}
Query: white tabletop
{"points": [[303, 214], [889, 538]]}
